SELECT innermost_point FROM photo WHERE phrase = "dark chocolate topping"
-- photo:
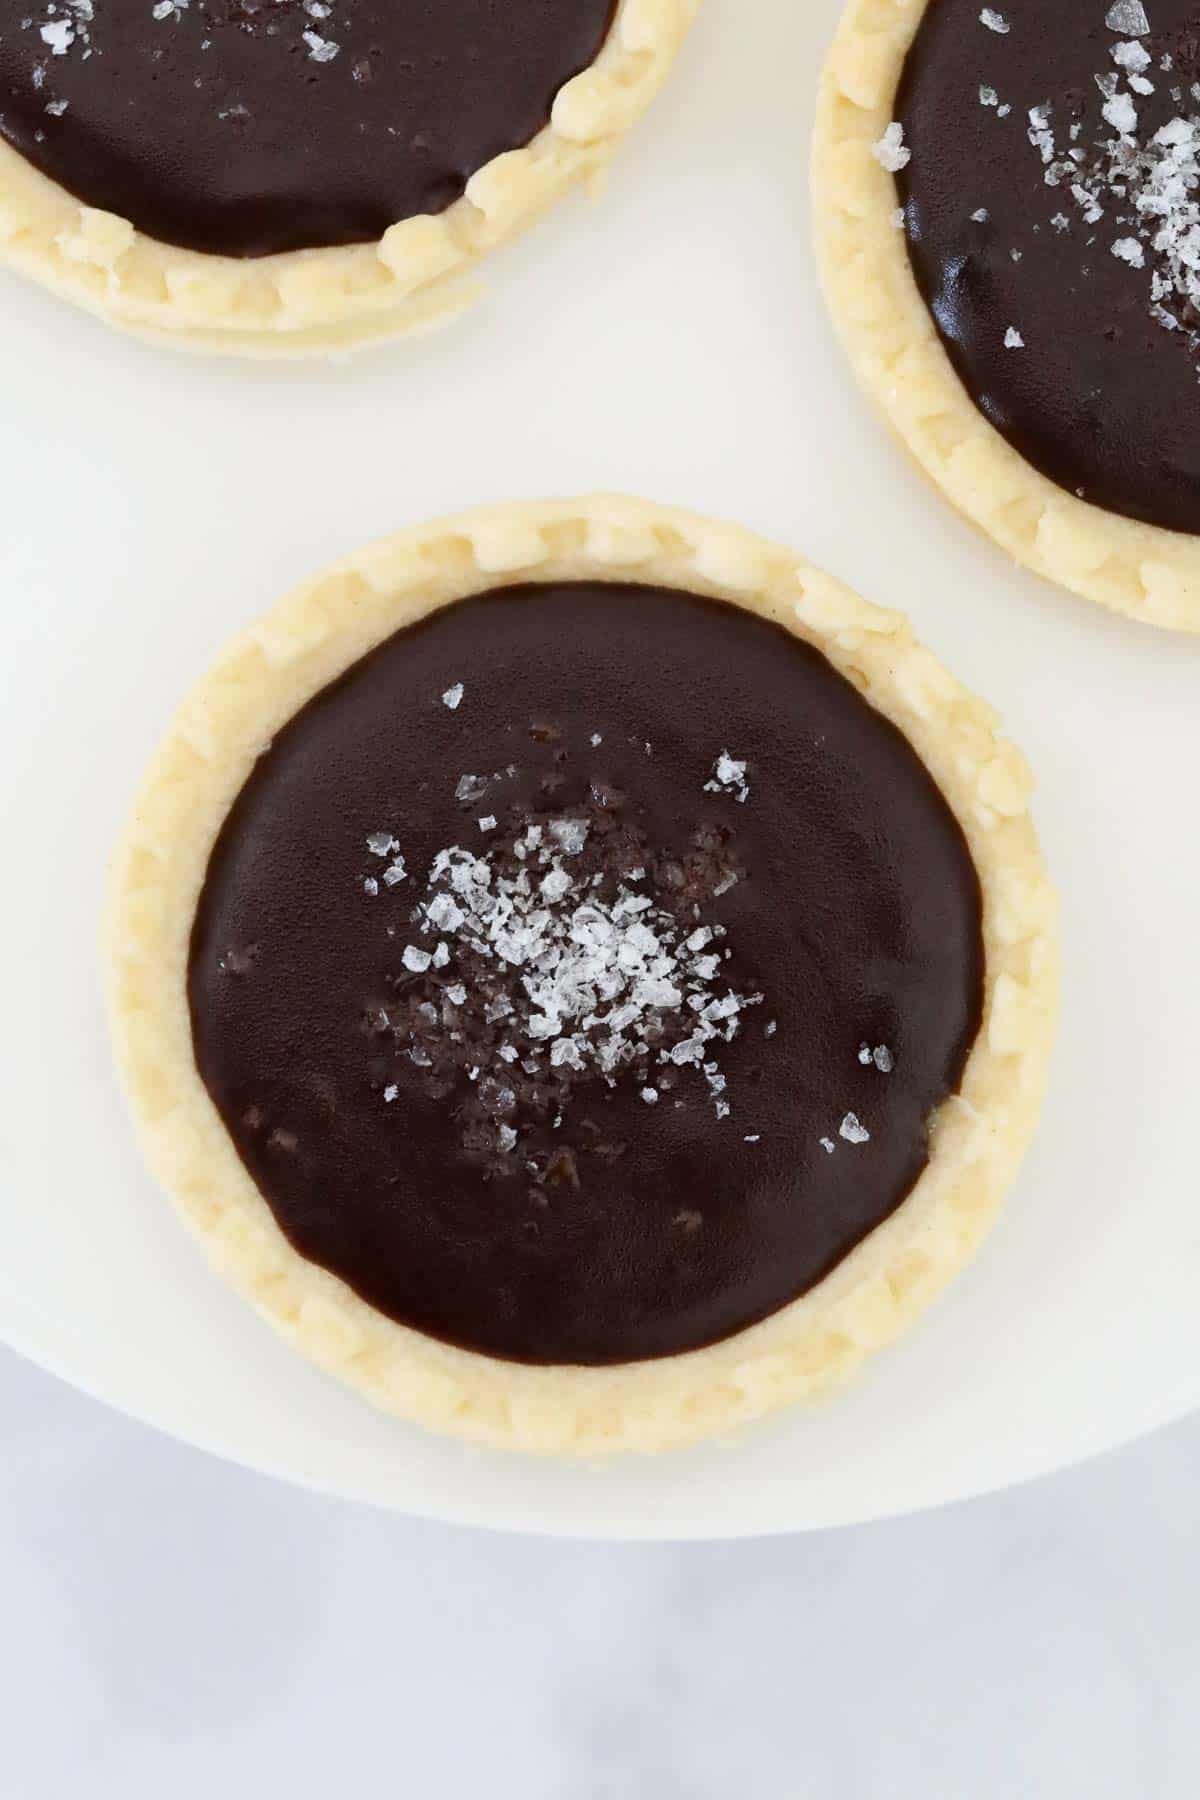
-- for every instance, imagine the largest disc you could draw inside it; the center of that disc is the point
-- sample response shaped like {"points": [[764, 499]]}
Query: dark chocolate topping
{"points": [[251, 126], [1102, 393], [527, 1174]]}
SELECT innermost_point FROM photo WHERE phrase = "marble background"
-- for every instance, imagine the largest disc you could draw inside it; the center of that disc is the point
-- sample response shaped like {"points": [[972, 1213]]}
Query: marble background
{"points": [[174, 1626]]}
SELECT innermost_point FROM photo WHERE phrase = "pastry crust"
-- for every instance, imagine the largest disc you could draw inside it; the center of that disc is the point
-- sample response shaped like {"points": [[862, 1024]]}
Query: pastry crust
{"points": [[311, 302], [265, 675], [1142, 570]]}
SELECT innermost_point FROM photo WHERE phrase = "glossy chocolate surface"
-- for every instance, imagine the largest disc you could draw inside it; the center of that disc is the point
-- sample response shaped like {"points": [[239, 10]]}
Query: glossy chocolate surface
{"points": [[249, 126], [1102, 392], [571, 1219]]}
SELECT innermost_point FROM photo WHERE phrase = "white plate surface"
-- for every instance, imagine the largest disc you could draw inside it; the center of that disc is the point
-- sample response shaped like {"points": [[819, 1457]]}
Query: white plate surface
{"points": [[668, 342]]}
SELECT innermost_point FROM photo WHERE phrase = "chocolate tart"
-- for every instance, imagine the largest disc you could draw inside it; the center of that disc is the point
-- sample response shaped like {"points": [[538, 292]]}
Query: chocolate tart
{"points": [[1004, 200], [282, 177], [587, 977]]}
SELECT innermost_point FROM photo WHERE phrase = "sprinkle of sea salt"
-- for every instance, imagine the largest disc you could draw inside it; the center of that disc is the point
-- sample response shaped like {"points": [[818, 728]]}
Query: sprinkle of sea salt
{"points": [[828, 1146], [584, 984], [382, 843], [994, 21], [370, 885], [754, 1138], [650, 1096], [853, 1131], [890, 152], [453, 696], [390, 1092], [488, 822], [597, 740], [1013, 339]]}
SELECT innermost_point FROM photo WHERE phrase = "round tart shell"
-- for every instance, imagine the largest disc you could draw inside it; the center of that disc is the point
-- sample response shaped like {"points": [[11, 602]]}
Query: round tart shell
{"points": [[312, 302], [978, 1137], [1141, 570]]}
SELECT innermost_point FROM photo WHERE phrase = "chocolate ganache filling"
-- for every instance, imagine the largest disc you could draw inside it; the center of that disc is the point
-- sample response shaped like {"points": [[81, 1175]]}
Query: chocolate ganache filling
{"points": [[577, 975], [250, 126], [1052, 206]]}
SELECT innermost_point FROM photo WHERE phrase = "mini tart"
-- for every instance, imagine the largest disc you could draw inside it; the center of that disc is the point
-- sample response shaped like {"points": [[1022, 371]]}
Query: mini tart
{"points": [[1051, 406], [392, 155], [250, 796]]}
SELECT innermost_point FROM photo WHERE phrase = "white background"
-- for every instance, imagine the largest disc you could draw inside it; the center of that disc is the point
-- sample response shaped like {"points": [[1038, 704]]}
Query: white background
{"points": [[177, 1626], [178, 1629]]}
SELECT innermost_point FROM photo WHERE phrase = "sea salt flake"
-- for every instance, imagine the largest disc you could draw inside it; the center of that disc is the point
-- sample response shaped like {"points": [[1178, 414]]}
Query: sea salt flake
{"points": [[853, 1132], [395, 873], [390, 1092], [58, 35], [650, 1096], [828, 1146], [994, 21], [452, 697], [1121, 114], [570, 834], [1128, 17], [320, 50], [416, 959], [981, 215], [891, 152], [729, 774], [1128, 250], [1013, 339], [370, 885], [488, 822], [382, 843]]}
